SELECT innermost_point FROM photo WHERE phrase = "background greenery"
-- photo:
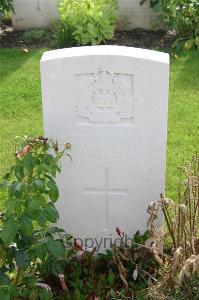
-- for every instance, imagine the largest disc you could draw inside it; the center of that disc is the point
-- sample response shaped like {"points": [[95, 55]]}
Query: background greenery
{"points": [[5, 6], [21, 109], [182, 16], [85, 22]]}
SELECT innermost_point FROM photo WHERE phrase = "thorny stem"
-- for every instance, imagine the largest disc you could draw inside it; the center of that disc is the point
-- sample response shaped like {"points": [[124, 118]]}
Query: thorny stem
{"points": [[179, 199], [190, 216], [179, 226], [168, 215], [185, 243], [148, 275], [179, 186], [196, 195], [165, 212]]}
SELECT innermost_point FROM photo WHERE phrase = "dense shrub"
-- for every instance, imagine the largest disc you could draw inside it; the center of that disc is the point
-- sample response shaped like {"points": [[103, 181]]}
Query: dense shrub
{"points": [[85, 22], [183, 17]]}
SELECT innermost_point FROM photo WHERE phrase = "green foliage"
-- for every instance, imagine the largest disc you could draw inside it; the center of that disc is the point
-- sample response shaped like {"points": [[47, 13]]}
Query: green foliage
{"points": [[120, 272], [183, 17], [27, 243], [6, 18], [35, 36], [5, 6], [85, 22]]}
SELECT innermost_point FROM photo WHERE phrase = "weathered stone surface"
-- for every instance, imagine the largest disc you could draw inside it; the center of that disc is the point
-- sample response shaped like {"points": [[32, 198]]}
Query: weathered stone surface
{"points": [[29, 14]]}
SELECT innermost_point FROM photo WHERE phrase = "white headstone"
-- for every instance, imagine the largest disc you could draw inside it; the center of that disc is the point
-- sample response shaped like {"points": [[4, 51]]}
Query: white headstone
{"points": [[110, 103]]}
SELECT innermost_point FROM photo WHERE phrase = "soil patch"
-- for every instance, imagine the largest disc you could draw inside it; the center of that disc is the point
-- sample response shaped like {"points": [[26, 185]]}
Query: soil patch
{"points": [[136, 38]]}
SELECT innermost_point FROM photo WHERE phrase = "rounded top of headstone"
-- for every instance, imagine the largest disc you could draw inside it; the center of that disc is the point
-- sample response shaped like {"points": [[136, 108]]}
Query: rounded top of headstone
{"points": [[106, 50]]}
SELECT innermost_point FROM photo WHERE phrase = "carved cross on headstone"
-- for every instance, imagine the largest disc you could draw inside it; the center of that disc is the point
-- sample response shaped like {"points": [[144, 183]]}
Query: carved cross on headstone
{"points": [[106, 191]]}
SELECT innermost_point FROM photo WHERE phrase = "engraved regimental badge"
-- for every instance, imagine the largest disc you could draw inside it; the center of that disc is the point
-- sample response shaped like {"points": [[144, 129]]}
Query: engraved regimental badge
{"points": [[104, 97]]}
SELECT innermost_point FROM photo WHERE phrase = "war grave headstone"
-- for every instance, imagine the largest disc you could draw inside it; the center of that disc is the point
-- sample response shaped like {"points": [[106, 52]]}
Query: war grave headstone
{"points": [[110, 103]]}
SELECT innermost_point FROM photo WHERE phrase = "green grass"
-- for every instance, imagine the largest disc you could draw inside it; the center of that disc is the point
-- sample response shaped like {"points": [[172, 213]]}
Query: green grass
{"points": [[20, 107], [183, 121], [20, 100]]}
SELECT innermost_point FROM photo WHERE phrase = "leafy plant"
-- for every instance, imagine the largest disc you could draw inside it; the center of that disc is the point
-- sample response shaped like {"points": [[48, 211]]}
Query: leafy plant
{"points": [[27, 243], [181, 16], [85, 22], [5, 6], [122, 271]]}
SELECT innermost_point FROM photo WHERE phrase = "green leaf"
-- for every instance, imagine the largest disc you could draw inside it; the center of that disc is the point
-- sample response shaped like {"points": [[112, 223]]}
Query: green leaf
{"points": [[22, 259], [13, 291], [56, 248], [57, 266], [4, 279], [10, 206], [17, 189], [54, 170], [19, 171], [41, 218], [47, 159], [56, 230], [9, 230], [25, 225], [53, 190], [42, 200], [29, 279], [28, 161], [39, 185], [5, 294], [32, 207], [51, 213], [41, 251], [111, 278], [4, 184], [44, 294]]}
